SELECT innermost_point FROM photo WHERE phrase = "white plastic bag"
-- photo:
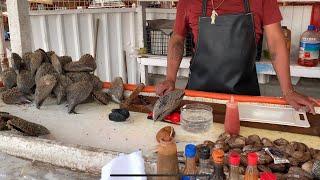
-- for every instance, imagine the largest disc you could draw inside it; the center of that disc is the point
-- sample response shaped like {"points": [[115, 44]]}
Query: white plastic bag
{"points": [[125, 164]]}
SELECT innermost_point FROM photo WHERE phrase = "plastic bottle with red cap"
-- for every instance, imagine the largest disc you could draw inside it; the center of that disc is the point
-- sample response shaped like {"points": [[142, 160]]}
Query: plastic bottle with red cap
{"points": [[252, 172], [234, 161], [267, 176]]}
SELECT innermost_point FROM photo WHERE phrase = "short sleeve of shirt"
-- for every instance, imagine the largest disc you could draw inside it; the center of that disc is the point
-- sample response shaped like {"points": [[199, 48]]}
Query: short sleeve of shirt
{"points": [[180, 26], [271, 12]]}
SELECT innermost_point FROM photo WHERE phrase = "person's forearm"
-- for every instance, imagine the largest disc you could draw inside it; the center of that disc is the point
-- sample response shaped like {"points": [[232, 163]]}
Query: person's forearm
{"points": [[281, 64], [175, 54]]}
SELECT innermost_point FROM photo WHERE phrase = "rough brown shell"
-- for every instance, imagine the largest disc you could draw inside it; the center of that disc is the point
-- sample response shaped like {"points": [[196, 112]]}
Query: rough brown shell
{"points": [[264, 158], [307, 166], [165, 133], [299, 173], [263, 168], [280, 176], [316, 156], [280, 142], [293, 161], [299, 146], [301, 156], [221, 145], [236, 142], [289, 149], [243, 160], [224, 136], [266, 142], [253, 139], [281, 168], [27, 128], [210, 144], [242, 170], [252, 148], [236, 150]]}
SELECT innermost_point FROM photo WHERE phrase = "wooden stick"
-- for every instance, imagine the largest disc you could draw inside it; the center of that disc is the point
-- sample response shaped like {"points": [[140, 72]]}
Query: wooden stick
{"points": [[96, 38]]}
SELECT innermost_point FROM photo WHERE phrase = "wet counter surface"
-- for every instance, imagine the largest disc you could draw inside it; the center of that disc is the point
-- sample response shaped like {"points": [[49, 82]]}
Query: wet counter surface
{"points": [[91, 127]]}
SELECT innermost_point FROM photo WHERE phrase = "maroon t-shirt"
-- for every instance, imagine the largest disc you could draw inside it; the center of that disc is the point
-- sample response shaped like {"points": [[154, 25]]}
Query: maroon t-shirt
{"points": [[188, 12]]}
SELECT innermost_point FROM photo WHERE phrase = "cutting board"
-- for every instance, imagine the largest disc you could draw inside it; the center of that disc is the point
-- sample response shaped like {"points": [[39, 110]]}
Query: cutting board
{"points": [[273, 115]]}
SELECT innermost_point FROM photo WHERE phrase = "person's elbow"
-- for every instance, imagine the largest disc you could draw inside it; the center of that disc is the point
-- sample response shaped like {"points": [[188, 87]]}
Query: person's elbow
{"points": [[176, 40], [276, 40]]}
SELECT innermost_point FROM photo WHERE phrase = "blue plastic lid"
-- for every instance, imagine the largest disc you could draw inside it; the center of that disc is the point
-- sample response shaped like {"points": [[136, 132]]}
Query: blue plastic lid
{"points": [[311, 28], [190, 151]]}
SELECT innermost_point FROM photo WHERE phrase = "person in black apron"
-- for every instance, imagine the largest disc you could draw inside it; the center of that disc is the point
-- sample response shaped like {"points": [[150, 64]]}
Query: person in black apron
{"points": [[224, 59]]}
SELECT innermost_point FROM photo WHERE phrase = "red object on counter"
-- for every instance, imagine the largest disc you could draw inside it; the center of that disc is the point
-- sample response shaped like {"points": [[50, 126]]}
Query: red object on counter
{"points": [[172, 118], [232, 120], [267, 176]]}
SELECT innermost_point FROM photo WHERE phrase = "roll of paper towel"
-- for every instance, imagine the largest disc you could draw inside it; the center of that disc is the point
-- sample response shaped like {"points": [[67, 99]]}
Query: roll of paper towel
{"points": [[125, 164]]}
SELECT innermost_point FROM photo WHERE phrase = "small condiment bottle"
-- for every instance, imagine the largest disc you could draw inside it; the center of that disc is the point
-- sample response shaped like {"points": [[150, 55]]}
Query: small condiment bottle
{"points": [[218, 156], [287, 37], [232, 120], [252, 172], [267, 176], [167, 160], [204, 163], [234, 161], [190, 167]]}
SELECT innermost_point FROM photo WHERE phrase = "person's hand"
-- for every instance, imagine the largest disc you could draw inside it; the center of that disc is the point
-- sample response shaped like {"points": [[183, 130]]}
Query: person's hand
{"points": [[164, 87], [301, 102]]}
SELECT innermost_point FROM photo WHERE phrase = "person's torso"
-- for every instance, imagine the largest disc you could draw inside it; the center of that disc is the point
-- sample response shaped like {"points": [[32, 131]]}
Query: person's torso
{"points": [[194, 11]]}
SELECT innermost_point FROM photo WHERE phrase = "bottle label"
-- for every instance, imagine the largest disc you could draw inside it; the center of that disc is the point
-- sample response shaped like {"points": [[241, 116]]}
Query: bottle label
{"points": [[309, 51]]}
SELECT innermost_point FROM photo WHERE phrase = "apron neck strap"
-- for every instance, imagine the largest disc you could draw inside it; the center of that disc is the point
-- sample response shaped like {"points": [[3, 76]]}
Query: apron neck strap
{"points": [[246, 5]]}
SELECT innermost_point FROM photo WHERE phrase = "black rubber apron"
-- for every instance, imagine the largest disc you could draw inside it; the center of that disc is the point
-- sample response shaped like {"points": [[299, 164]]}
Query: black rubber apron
{"points": [[224, 60]]}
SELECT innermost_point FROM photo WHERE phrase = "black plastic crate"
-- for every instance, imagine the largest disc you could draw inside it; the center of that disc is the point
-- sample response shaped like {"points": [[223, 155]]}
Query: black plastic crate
{"points": [[157, 42]]}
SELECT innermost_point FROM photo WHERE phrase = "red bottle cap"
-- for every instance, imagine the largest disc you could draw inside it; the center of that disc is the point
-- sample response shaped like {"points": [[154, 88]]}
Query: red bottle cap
{"points": [[268, 176], [234, 159], [252, 159]]}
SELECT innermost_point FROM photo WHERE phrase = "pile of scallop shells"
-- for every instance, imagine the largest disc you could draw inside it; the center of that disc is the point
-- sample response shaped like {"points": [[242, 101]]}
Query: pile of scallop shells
{"points": [[39, 74], [304, 161]]}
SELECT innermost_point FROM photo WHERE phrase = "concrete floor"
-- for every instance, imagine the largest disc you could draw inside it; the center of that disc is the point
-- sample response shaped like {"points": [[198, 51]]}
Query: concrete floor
{"points": [[307, 86], [12, 168]]}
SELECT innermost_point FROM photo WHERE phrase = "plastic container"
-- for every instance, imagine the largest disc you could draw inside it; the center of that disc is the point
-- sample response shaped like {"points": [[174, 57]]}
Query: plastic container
{"points": [[287, 37], [309, 48], [167, 160], [252, 172], [218, 157], [204, 163], [190, 167], [234, 161], [232, 120], [267, 176], [196, 118]]}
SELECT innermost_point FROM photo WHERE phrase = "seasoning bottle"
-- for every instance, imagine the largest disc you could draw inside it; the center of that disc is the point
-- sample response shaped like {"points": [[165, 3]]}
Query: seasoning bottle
{"points": [[167, 160], [267, 176], [191, 167], [232, 120], [287, 37], [218, 156], [234, 161], [309, 47], [252, 172], [204, 163]]}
